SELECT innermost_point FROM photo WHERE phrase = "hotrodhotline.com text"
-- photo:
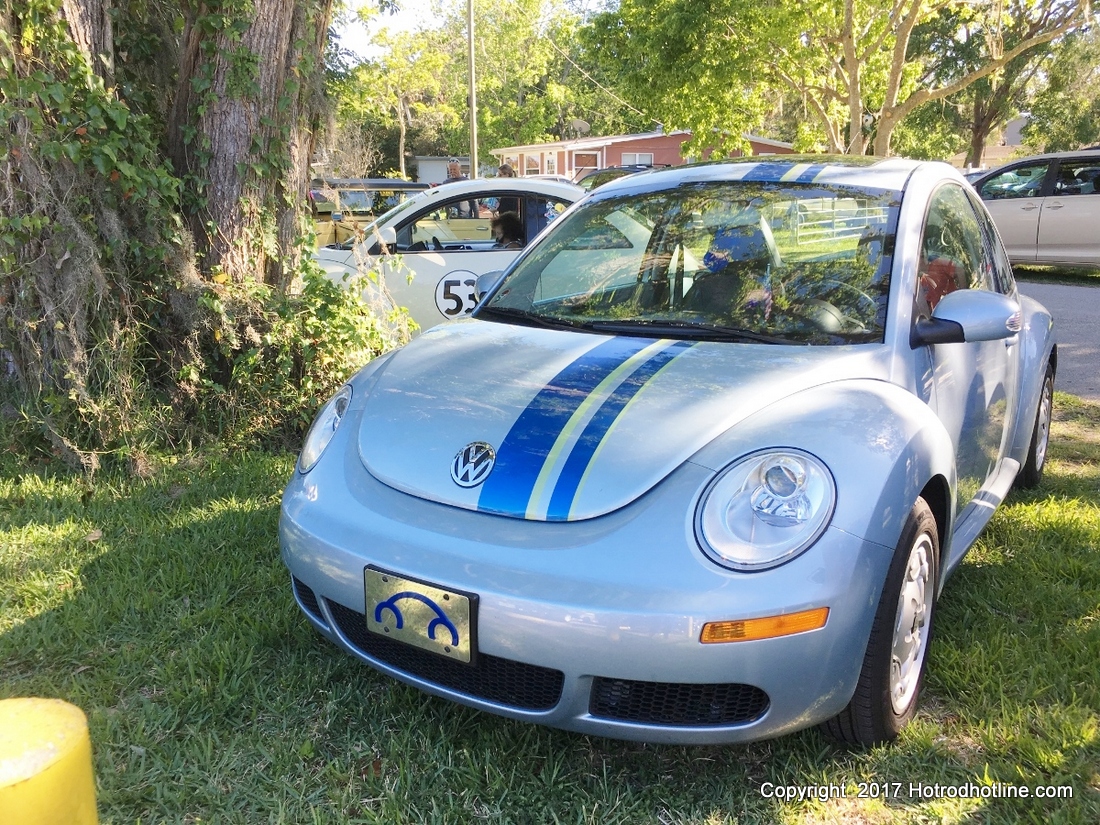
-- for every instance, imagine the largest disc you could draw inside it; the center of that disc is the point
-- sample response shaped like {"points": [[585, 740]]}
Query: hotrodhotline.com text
{"points": [[914, 790]]}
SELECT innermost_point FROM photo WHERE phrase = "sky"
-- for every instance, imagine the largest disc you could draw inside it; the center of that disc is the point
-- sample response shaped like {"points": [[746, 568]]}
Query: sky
{"points": [[355, 36]]}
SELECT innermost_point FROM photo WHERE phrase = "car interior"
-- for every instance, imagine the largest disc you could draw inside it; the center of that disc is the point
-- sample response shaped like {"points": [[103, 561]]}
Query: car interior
{"points": [[447, 227]]}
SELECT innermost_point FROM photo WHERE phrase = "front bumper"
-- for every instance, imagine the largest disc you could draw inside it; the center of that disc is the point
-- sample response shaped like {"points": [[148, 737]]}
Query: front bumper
{"points": [[588, 626]]}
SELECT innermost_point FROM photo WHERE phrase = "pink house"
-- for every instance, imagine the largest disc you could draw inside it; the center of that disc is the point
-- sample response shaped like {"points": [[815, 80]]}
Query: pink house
{"points": [[573, 158]]}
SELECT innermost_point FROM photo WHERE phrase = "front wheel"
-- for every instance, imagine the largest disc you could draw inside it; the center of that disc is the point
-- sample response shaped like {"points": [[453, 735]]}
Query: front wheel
{"points": [[1032, 471], [889, 684]]}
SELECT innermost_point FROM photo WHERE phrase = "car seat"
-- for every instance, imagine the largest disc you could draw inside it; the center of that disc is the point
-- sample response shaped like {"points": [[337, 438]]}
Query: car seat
{"points": [[736, 256]]}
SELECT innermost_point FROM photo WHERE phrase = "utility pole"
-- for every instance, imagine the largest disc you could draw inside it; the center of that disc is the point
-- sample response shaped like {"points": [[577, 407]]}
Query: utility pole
{"points": [[473, 88]]}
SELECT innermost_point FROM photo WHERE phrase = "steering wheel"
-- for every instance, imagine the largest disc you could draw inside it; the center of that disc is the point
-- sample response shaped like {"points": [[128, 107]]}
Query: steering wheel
{"points": [[821, 315], [861, 296]]}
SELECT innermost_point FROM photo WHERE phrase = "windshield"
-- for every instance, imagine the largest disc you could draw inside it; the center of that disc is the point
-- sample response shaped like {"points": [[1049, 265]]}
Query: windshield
{"points": [[779, 263], [370, 231]]}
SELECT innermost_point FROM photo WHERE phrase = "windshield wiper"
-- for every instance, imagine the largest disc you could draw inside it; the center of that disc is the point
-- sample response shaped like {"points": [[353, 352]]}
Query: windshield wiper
{"points": [[524, 317], [685, 329]]}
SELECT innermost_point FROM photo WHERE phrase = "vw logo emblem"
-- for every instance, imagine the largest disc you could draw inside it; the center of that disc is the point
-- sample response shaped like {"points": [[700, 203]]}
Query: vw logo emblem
{"points": [[473, 464]]}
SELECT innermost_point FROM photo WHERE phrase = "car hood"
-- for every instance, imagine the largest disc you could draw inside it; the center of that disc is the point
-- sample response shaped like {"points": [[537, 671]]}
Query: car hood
{"points": [[579, 424]]}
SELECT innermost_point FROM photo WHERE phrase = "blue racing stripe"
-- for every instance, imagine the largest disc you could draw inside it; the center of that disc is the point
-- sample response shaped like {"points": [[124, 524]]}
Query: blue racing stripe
{"points": [[594, 433], [767, 171], [811, 173], [525, 447]]}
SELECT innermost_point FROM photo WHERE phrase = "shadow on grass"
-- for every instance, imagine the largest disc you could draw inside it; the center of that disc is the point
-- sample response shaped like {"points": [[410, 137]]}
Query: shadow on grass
{"points": [[210, 698]]}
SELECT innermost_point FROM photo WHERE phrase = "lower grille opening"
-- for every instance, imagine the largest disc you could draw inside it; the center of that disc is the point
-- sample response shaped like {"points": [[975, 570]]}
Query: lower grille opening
{"points": [[504, 681], [308, 599], [669, 703]]}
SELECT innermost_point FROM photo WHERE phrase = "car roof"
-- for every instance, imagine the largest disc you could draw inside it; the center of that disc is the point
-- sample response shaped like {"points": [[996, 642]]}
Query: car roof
{"points": [[538, 186], [480, 186], [630, 167], [368, 183], [550, 176], [848, 170], [1090, 154], [598, 177]]}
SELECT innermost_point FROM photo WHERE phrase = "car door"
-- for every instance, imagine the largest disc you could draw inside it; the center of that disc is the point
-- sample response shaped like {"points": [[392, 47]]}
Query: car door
{"points": [[1069, 220], [443, 250], [972, 382], [1014, 199]]}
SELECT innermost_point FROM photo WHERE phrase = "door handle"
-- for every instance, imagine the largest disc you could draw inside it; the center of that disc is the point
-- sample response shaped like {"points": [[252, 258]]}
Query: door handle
{"points": [[1029, 207], [1057, 205]]}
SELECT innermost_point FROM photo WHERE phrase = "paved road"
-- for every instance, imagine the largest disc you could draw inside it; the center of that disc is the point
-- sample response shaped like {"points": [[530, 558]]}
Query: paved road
{"points": [[1076, 311]]}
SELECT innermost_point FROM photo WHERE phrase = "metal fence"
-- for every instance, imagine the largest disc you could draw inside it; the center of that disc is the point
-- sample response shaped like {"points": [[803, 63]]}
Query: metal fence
{"points": [[833, 219]]}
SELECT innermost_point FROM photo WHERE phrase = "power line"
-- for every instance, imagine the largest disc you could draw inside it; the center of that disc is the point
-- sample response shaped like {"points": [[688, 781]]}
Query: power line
{"points": [[595, 82]]}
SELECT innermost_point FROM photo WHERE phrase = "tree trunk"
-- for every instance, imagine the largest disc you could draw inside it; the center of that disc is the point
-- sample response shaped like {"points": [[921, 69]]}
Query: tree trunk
{"points": [[90, 26], [856, 143], [403, 116], [241, 132], [980, 126]]}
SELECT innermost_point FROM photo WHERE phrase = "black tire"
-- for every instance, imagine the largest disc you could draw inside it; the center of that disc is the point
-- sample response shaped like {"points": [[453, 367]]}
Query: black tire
{"points": [[1032, 472], [886, 694]]}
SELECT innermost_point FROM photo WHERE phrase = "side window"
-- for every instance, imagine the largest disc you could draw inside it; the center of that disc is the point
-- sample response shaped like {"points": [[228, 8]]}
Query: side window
{"points": [[1018, 182], [1077, 178], [952, 253], [1000, 268], [453, 225]]}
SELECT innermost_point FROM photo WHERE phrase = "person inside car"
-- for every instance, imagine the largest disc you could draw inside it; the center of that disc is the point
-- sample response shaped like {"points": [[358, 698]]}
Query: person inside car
{"points": [[507, 231]]}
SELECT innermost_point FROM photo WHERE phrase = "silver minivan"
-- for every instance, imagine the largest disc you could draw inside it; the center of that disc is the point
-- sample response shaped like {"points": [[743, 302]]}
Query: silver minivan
{"points": [[1047, 207]]}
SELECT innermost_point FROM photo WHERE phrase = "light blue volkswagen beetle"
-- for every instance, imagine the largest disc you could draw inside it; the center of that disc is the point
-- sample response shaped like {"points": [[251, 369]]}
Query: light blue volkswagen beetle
{"points": [[697, 468]]}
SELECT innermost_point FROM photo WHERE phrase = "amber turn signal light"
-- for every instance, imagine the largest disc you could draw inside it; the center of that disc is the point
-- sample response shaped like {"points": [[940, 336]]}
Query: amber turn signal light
{"points": [[766, 628]]}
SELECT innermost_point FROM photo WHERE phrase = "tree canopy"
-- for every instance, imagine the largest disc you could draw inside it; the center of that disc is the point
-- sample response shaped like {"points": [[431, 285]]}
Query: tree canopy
{"points": [[853, 63]]}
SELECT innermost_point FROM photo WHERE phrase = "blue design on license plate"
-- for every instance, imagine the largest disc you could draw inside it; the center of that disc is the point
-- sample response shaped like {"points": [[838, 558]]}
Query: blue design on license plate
{"points": [[421, 614]]}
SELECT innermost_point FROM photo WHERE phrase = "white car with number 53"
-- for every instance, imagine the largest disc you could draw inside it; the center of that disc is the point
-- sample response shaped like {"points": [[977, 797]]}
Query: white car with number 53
{"points": [[431, 249], [699, 465]]}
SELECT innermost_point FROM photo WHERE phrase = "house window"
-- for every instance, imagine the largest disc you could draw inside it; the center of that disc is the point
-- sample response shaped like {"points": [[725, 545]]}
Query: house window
{"points": [[637, 158], [586, 160], [551, 166]]}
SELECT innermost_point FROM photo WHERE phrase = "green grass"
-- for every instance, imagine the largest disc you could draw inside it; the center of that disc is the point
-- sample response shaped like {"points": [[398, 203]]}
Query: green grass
{"points": [[161, 608]]}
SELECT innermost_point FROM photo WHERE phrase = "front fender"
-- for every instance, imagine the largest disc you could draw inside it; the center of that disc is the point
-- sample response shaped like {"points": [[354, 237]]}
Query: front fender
{"points": [[882, 444]]}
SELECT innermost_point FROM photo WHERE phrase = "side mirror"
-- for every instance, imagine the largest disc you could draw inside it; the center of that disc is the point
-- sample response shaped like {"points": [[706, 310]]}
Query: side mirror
{"points": [[385, 241], [969, 315], [487, 282]]}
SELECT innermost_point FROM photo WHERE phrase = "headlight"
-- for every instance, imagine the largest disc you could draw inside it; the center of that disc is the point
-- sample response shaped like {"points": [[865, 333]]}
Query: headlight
{"points": [[323, 428], [765, 509]]}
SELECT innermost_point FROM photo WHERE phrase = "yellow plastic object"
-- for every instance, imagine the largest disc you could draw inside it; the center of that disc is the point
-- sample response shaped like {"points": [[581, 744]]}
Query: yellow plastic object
{"points": [[45, 764]]}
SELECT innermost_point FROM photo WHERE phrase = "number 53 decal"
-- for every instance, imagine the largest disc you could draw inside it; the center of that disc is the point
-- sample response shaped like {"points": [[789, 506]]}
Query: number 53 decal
{"points": [[456, 293]]}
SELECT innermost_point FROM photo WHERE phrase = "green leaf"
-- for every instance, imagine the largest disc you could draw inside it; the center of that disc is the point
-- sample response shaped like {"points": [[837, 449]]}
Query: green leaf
{"points": [[119, 115]]}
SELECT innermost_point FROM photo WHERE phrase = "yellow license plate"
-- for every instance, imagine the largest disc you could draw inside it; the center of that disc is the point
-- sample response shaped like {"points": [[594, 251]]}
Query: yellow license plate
{"points": [[421, 614]]}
